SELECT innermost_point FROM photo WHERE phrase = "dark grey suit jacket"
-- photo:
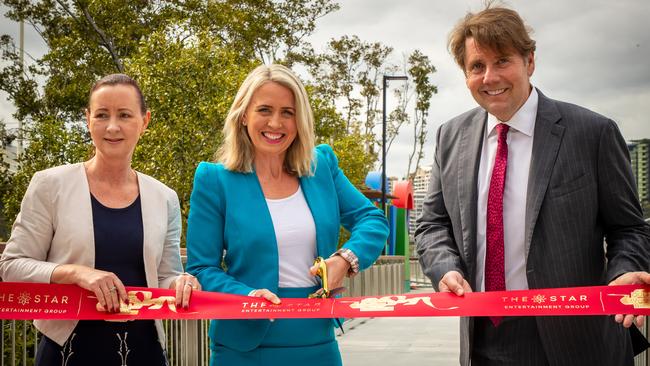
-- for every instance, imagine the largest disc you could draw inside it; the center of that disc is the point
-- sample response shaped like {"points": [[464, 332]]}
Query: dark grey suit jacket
{"points": [[580, 191]]}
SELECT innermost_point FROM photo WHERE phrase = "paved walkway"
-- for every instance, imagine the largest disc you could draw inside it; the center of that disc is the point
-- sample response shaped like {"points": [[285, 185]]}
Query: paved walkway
{"points": [[400, 341]]}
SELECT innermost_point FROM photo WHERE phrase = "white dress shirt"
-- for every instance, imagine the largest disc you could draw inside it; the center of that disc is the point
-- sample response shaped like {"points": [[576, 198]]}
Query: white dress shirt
{"points": [[520, 147]]}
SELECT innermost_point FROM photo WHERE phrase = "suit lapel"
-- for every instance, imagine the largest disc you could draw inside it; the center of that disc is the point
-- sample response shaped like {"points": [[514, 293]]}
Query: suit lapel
{"points": [[471, 143], [81, 210], [546, 144], [313, 201], [152, 208]]}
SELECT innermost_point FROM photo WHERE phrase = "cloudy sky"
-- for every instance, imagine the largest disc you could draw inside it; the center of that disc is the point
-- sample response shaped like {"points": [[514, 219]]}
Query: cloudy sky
{"points": [[595, 53]]}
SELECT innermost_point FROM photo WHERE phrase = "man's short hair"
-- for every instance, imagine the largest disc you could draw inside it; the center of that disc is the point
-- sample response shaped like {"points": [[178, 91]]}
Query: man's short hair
{"points": [[496, 28]]}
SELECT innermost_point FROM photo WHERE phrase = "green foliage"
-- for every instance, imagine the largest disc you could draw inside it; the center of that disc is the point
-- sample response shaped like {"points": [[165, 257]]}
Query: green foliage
{"points": [[349, 146], [189, 92], [85, 42], [51, 143], [189, 57], [354, 160]]}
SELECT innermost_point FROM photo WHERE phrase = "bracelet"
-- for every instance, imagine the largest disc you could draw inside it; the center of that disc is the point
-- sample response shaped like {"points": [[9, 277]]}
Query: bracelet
{"points": [[351, 258]]}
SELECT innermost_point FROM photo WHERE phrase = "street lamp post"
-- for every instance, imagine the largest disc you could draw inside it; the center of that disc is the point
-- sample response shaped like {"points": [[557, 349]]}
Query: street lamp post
{"points": [[19, 150], [383, 139]]}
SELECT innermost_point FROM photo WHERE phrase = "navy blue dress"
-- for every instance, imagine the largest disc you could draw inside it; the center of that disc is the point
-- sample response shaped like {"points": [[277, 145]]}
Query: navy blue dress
{"points": [[118, 249]]}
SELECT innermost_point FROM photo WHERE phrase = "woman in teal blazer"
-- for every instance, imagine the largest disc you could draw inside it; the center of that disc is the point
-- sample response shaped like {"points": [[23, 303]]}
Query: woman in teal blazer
{"points": [[271, 204]]}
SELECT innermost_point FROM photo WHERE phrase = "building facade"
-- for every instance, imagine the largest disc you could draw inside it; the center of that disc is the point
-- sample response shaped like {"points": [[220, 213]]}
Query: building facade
{"points": [[640, 159], [421, 180]]}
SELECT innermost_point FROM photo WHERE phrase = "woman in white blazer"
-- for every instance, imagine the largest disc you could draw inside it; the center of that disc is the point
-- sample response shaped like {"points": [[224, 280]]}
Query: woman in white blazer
{"points": [[102, 226]]}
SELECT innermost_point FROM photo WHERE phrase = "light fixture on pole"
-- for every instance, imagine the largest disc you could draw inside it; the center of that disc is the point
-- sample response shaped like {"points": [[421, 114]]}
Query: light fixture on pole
{"points": [[383, 139]]}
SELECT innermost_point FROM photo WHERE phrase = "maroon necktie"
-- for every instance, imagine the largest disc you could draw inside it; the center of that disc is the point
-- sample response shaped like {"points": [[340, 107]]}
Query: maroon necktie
{"points": [[495, 279]]}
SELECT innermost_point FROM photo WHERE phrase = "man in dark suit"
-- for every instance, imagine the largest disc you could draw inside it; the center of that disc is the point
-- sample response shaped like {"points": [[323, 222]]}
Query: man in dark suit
{"points": [[523, 191]]}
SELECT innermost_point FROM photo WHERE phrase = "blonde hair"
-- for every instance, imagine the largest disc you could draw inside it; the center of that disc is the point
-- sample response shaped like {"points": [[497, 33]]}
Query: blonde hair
{"points": [[237, 152]]}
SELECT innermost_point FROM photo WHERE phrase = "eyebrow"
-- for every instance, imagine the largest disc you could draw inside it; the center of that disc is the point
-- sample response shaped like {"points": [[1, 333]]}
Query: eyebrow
{"points": [[268, 106], [119, 109], [472, 63], [104, 110]]}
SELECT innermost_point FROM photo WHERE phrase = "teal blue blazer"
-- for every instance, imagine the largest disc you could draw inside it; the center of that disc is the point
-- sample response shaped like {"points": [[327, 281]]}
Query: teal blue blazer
{"points": [[229, 219]]}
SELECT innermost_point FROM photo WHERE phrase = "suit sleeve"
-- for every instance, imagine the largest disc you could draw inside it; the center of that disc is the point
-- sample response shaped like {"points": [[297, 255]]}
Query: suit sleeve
{"points": [[170, 263], [205, 235], [434, 236], [367, 225], [626, 233], [26, 253]]}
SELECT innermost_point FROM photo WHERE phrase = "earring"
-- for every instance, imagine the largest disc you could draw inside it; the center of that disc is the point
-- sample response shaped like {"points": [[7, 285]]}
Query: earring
{"points": [[244, 123]]}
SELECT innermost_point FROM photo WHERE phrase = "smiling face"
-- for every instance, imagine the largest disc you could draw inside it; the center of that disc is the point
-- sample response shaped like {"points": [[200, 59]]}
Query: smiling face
{"points": [[498, 82], [270, 119], [115, 121]]}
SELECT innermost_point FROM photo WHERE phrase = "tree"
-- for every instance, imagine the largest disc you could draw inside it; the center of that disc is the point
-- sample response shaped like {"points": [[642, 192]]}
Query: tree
{"points": [[349, 75], [420, 68], [189, 56], [190, 90], [346, 77]]}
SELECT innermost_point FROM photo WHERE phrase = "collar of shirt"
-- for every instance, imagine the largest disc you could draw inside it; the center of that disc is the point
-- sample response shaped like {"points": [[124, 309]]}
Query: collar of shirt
{"points": [[523, 120]]}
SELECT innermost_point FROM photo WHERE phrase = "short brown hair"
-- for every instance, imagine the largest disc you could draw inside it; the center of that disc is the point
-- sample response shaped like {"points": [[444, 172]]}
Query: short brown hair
{"points": [[119, 79], [497, 28]]}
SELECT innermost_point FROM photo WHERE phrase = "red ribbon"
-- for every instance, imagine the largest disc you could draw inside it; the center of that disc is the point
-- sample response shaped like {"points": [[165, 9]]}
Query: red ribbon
{"points": [[51, 301]]}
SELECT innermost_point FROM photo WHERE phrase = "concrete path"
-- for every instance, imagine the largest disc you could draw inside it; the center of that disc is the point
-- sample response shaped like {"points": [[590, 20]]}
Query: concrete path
{"points": [[400, 341]]}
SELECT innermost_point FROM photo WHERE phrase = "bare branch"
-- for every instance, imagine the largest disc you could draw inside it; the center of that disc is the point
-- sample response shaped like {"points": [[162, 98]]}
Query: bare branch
{"points": [[105, 40], [68, 11]]}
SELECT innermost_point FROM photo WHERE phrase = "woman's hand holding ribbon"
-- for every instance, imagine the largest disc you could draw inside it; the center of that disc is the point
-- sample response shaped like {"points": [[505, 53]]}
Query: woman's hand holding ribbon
{"points": [[108, 289], [184, 284]]}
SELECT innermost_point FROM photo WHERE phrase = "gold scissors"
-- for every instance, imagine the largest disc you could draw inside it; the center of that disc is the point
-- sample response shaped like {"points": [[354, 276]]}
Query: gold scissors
{"points": [[325, 292]]}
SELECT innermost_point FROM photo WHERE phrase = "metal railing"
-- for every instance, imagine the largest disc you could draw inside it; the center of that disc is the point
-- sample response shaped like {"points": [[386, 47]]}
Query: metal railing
{"points": [[643, 359], [418, 279], [18, 342]]}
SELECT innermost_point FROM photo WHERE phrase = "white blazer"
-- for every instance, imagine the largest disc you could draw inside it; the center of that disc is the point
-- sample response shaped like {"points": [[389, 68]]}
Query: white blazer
{"points": [[55, 226]]}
